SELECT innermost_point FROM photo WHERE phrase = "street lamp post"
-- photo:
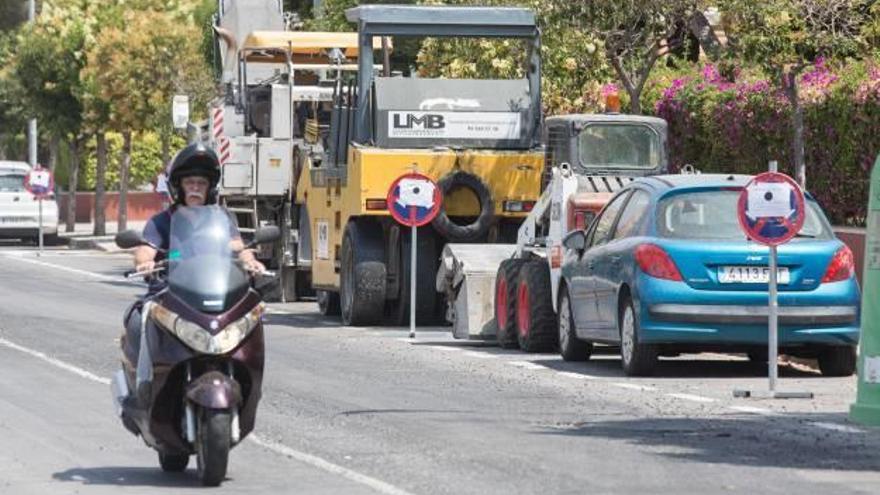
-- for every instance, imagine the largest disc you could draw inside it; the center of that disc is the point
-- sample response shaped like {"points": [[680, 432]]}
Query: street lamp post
{"points": [[32, 124]]}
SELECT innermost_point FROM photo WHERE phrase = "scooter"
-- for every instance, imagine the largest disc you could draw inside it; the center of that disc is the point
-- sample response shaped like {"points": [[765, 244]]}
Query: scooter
{"points": [[192, 383]]}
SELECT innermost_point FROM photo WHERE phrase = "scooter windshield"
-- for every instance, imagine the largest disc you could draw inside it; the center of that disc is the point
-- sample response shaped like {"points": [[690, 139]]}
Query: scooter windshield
{"points": [[201, 264]]}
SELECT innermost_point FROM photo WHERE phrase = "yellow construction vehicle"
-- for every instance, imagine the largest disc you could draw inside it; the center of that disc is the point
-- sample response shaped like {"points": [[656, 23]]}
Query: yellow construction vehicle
{"points": [[480, 139]]}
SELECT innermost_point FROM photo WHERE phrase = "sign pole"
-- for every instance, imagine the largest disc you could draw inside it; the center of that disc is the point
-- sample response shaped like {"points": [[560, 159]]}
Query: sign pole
{"points": [[412, 278], [40, 232], [773, 310], [773, 344], [773, 283]]}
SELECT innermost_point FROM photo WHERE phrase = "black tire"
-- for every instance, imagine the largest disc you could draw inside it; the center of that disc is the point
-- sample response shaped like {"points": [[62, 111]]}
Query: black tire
{"points": [[758, 358], [362, 281], [837, 361], [571, 348], [426, 273], [328, 302], [506, 280], [173, 463], [212, 445], [480, 227], [637, 359], [535, 317]]}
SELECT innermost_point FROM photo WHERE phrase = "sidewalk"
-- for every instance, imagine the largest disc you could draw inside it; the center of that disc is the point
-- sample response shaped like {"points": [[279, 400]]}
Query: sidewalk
{"points": [[82, 237]]}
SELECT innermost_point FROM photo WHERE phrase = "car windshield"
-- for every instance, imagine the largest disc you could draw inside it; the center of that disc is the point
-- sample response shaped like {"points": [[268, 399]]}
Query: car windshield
{"points": [[711, 215], [202, 271], [619, 145], [11, 183]]}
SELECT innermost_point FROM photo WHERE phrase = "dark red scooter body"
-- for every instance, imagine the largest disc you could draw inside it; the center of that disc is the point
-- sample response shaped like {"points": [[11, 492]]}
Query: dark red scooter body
{"points": [[156, 411]]}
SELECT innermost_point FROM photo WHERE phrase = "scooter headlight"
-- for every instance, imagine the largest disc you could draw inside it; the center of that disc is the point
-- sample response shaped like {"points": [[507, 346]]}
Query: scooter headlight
{"points": [[199, 339]]}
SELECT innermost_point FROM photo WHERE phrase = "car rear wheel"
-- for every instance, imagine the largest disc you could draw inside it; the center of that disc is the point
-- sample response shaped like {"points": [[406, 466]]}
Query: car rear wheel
{"points": [[535, 316], [837, 361], [505, 302], [571, 348], [637, 359]]}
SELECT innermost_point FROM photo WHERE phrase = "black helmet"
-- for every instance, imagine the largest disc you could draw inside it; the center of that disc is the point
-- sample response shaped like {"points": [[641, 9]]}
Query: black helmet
{"points": [[195, 159]]}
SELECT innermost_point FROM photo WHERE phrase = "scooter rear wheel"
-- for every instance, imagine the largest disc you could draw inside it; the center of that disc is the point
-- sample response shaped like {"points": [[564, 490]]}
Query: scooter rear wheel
{"points": [[212, 445]]}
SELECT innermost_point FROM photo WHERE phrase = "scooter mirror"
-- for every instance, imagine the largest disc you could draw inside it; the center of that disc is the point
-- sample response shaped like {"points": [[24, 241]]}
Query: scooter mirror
{"points": [[128, 239], [265, 235]]}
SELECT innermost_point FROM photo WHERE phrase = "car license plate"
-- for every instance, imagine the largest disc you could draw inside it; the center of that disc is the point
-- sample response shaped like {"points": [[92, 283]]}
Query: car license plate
{"points": [[751, 275]]}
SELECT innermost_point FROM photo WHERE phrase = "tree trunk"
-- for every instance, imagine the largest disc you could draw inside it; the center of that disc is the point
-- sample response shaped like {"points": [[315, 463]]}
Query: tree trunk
{"points": [[100, 227], [54, 143], [72, 184], [797, 125], [635, 102], [166, 149], [122, 219]]}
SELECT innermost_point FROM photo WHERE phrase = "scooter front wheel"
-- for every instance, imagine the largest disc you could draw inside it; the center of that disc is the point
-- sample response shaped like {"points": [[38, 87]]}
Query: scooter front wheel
{"points": [[212, 445], [173, 463]]}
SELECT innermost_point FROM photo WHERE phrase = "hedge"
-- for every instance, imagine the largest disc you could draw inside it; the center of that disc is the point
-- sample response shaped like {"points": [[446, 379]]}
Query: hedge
{"points": [[738, 124]]}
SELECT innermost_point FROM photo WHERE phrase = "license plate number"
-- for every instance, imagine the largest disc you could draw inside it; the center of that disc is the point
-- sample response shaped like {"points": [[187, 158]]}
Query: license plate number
{"points": [[751, 275]]}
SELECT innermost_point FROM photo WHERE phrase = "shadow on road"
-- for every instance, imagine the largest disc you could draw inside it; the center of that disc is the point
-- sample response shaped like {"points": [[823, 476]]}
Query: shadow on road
{"points": [[761, 441], [683, 367], [129, 476]]}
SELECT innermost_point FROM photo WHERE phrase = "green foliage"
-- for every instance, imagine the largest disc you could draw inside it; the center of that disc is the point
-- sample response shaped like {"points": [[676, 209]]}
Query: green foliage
{"points": [[722, 126], [776, 33], [146, 160]]}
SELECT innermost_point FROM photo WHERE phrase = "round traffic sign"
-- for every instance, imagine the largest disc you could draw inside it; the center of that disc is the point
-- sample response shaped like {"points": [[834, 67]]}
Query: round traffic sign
{"points": [[771, 208], [414, 199], [39, 181]]}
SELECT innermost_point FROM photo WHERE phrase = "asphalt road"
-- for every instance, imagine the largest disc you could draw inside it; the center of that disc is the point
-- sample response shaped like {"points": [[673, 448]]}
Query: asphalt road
{"points": [[365, 410]]}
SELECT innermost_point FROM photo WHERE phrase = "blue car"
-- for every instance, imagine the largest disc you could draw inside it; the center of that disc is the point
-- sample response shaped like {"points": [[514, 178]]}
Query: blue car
{"points": [[665, 268]]}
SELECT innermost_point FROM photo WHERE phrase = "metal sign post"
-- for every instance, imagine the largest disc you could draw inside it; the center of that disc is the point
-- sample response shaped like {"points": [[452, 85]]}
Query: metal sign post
{"points": [[413, 200], [39, 182], [771, 211], [412, 270]]}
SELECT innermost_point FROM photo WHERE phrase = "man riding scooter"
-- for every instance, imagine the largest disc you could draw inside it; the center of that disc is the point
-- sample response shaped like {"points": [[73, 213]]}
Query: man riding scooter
{"points": [[193, 345]]}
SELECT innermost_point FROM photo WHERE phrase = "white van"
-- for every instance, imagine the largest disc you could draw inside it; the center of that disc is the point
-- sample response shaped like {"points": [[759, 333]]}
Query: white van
{"points": [[19, 211]]}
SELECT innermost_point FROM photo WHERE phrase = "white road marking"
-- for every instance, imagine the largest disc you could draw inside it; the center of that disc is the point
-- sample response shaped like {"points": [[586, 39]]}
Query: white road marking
{"points": [[579, 376], [479, 355], [836, 427], [55, 362], [752, 410], [633, 386], [443, 348], [378, 485], [527, 365], [77, 271], [278, 448], [691, 397]]}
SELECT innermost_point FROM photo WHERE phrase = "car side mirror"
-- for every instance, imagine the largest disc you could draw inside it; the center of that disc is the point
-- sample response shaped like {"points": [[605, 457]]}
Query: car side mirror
{"points": [[128, 239], [576, 240], [265, 235]]}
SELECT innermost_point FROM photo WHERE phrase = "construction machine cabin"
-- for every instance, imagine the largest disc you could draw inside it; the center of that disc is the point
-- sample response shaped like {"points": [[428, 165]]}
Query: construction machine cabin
{"points": [[480, 139]]}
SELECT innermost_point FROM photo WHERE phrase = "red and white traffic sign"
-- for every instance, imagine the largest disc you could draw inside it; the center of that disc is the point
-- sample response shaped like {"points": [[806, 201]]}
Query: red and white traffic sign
{"points": [[39, 181], [771, 208], [414, 199]]}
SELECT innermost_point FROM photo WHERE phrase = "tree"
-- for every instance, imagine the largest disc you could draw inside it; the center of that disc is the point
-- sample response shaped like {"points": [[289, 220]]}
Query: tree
{"points": [[139, 68], [785, 36], [634, 33], [46, 66]]}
